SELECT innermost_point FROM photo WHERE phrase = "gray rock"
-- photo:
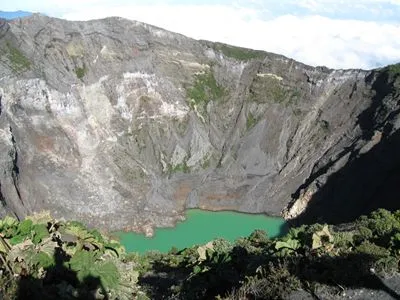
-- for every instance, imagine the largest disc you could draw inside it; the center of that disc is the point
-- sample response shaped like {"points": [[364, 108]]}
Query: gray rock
{"points": [[124, 125]]}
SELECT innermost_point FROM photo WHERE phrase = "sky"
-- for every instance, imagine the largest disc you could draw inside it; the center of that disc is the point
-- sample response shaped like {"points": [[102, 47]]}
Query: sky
{"points": [[334, 33]]}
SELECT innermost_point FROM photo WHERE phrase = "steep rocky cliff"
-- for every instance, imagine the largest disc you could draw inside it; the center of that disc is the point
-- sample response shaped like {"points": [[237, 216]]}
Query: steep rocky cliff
{"points": [[124, 125]]}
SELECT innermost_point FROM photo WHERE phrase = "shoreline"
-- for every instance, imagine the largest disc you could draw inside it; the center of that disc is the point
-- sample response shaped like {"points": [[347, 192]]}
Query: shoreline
{"points": [[148, 231]]}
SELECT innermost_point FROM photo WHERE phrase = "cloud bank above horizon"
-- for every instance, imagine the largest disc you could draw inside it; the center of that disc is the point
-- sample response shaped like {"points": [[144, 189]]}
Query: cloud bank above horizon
{"points": [[334, 33]]}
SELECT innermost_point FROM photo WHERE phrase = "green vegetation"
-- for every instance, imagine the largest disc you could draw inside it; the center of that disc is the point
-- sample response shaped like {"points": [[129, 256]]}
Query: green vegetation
{"points": [[19, 62], [52, 259], [182, 167], [205, 89], [80, 72], [239, 53], [206, 163], [269, 89], [251, 121], [393, 70], [42, 258]]}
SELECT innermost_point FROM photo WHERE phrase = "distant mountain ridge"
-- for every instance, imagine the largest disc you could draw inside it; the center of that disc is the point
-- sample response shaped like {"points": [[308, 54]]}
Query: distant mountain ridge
{"points": [[9, 15]]}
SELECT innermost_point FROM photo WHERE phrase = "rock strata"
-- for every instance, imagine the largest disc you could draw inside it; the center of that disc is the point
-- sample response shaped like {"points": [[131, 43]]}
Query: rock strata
{"points": [[125, 125]]}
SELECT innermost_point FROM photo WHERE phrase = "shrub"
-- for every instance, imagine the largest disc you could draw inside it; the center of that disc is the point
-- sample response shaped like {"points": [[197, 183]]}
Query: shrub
{"points": [[80, 72], [205, 89]]}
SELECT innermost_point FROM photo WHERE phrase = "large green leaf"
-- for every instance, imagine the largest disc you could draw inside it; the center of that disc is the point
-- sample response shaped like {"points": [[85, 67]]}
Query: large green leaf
{"points": [[97, 235], [78, 230], [107, 272], [82, 262], [25, 227], [9, 221], [48, 246], [40, 232], [86, 266], [321, 237], [19, 255], [290, 244], [88, 238], [115, 248], [202, 250], [41, 260], [8, 226], [19, 238]]}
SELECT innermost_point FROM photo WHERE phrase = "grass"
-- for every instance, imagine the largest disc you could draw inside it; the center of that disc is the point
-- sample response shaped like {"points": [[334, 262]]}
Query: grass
{"points": [[268, 89], [239, 53], [18, 60], [251, 121], [182, 168], [205, 89]]}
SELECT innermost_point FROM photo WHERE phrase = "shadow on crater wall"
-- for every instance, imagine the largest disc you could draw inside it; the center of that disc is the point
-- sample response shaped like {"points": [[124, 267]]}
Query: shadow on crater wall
{"points": [[368, 181]]}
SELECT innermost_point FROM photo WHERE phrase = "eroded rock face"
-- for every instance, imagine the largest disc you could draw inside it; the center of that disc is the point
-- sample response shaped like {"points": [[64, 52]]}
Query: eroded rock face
{"points": [[124, 125]]}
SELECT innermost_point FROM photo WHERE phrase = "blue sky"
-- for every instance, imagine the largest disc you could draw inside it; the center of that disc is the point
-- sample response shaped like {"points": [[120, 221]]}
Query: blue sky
{"points": [[335, 33]]}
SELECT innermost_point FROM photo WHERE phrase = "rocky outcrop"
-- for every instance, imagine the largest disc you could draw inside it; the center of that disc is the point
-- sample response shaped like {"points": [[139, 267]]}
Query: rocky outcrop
{"points": [[124, 125]]}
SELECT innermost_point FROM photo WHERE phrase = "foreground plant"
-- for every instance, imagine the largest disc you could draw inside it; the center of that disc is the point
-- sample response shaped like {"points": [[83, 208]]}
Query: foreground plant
{"points": [[51, 258], [44, 258]]}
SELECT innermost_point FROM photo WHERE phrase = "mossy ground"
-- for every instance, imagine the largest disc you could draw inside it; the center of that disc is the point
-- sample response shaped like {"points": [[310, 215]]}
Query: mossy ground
{"points": [[269, 89], [17, 60], [182, 167], [239, 53], [204, 89]]}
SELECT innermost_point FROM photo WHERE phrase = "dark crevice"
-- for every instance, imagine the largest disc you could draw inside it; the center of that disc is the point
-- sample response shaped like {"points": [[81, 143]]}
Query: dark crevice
{"points": [[15, 170], [289, 144], [353, 90], [2, 200]]}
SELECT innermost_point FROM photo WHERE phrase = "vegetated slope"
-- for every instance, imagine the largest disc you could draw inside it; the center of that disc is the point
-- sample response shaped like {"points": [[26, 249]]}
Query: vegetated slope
{"points": [[124, 125], [42, 258]]}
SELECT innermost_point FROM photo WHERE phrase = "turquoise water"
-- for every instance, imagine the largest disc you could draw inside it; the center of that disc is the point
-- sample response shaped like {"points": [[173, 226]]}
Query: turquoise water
{"points": [[200, 227]]}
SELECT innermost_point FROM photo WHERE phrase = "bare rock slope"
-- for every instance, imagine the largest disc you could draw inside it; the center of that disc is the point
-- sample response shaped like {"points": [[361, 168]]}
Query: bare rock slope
{"points": [[124, 125]]}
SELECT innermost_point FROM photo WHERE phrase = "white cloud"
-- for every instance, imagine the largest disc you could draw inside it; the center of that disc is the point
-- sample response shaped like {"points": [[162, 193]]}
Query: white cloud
{"points": [[262, 24], [313, 40], [313, 4]]}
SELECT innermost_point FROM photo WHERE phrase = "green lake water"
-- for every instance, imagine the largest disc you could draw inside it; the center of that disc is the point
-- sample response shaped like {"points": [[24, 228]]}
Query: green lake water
{"points": [[200, 227]]}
